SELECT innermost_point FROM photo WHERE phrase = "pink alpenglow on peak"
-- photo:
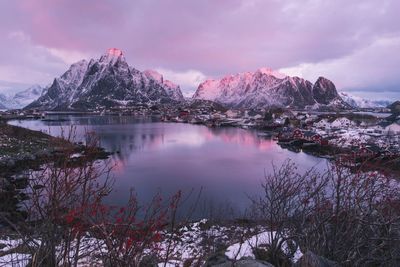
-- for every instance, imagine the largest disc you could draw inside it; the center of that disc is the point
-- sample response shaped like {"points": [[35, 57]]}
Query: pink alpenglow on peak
{"points": [[268, 88], [114, 52], [272, 72], [112, 56], [154, 75]]}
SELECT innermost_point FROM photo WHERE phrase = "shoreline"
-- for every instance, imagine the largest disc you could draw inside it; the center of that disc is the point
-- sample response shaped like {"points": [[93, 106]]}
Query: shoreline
{"points": [[328, 151], [23, 149], [384, 163]]}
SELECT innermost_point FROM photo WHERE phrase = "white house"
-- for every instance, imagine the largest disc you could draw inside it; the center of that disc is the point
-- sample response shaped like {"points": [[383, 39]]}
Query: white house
{"points": [[342, 123], [232, 113]]}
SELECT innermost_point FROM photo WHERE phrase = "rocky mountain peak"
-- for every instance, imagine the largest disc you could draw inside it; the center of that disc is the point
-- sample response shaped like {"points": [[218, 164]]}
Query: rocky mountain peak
{"points": [[324, 91], [104, 83], [112, 56], [114, 52], [267, 88], [271, 72]]}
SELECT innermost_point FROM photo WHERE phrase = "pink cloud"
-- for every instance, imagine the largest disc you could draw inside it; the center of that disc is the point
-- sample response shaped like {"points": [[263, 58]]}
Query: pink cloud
{"points": [[214, 37]]}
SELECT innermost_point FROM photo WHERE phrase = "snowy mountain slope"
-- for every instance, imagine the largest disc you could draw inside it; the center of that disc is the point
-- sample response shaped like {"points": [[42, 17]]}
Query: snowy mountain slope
{"points": [[265, 88], [358, 102], [106, 82], [21, 99], [173, 90]]}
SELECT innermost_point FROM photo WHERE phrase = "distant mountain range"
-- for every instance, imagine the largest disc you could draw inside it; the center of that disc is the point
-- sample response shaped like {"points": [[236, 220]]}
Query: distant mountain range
{"points": [[104, 83], [359, 102], [109, 82], [266, 87], [21, 99]]}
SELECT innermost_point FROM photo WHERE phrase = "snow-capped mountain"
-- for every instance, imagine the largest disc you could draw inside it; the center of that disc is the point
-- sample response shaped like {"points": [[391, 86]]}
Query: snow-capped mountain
{"points": [[173, 90], [106, 82], [266, 88], [21, 99], [24, 98], [359, 102]]}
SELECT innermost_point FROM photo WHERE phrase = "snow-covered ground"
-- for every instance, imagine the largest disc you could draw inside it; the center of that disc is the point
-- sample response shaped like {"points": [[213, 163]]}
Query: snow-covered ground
{"points": [[347, 133], [245, 249], [194, 241]]}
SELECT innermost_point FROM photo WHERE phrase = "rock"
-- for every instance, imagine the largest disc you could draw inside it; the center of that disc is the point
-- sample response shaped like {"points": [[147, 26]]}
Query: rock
{"points": [[149, 261], [310, 259], [244, 263], [221, 260], [21, 183], [217, 259], [10, 163], [4, 182]]}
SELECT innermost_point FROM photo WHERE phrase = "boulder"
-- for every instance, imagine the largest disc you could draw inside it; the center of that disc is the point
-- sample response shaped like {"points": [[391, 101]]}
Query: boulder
{"points": [[217, 259], [149, 261], [310, 259], [245, 262]]}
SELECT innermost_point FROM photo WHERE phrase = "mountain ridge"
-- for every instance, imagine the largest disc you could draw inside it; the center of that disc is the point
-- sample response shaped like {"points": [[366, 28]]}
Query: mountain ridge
{"points": [[267, 88], [105, 83], [359, 102]]}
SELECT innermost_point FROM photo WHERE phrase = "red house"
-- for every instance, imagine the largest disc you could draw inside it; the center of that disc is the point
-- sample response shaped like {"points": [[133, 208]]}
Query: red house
{"points": [[184, 114], [316, 138], [324, 142], [297, 134], [363, 152]]}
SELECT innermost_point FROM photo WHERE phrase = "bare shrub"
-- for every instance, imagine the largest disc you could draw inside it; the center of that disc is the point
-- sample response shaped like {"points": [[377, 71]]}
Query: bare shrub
{"points": [[69, 224], [345, 215]]}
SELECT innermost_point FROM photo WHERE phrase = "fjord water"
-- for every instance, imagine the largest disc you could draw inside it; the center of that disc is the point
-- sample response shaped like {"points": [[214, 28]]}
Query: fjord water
{"points": [[227, 163]]}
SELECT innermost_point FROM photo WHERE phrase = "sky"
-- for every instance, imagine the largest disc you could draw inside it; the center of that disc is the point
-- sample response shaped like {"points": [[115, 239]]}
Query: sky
{"points": [[356, 44]]}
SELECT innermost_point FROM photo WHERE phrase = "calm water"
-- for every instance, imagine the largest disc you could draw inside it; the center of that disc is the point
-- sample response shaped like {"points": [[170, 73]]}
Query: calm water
{"points": [[228, 163]]}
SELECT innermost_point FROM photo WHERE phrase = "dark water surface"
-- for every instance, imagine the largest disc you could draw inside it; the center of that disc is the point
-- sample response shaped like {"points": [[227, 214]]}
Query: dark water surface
{"points": [[228, 163]]}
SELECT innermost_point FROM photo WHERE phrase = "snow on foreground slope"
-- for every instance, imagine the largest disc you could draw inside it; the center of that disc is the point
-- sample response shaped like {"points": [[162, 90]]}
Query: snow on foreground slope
{"points": [[106, 82], [245, 249], [266, 87], [196, 240]]}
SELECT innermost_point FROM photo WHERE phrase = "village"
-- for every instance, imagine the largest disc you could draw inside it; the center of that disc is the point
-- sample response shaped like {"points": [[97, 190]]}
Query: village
{"points": [[323, 134]]}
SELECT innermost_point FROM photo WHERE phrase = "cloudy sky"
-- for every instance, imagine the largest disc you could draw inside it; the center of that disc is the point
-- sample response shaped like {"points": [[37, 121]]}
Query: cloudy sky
{"points": [[354, 43]]}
